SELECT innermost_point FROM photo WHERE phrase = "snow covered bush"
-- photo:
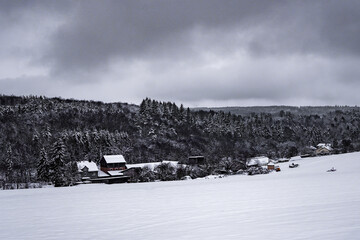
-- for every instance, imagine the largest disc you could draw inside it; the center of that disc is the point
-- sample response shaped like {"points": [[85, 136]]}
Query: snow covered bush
{"points": [[146, 175], [229, 165], [257, 170], [165, 172], [181, 171], [198, 172]]}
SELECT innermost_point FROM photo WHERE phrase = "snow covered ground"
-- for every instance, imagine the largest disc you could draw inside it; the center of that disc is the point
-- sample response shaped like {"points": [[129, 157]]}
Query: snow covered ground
{"points": [[301, 203]]}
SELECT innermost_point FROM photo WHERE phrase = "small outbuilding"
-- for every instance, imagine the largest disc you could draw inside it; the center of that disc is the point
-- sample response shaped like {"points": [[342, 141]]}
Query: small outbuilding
{"points": [[195, 160], [271, 166]]}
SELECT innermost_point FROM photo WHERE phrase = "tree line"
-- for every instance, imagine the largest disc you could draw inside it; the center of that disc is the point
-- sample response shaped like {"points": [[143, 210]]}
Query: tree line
{"points": [[42, 138]]}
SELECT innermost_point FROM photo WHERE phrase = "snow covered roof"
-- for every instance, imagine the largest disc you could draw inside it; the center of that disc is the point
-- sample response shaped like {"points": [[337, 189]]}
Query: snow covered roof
{"points": [[92, 167], [321, 145], [258, 161], [325, 145], [115, 173], [103, 174], [114, 159], [271, 164]]}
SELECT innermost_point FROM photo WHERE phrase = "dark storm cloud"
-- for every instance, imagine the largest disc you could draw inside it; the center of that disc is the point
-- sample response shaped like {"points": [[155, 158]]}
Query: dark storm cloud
{"points": [[340, 26], [188, 51], [100, 31]]}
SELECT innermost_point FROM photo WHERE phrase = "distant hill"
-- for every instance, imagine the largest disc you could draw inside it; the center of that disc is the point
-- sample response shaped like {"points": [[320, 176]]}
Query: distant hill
{"points": [[37, 131], [303, 110]]}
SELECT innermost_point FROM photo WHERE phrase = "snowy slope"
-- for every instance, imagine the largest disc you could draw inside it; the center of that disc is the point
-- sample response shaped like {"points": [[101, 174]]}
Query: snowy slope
{"points": [[300, 203]]}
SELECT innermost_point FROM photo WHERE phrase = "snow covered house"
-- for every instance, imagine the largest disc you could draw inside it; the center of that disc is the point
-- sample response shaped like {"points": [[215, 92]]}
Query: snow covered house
{"points": [[87, 170], [323, 149], [257, 161], [112, 163], [111, 169]]}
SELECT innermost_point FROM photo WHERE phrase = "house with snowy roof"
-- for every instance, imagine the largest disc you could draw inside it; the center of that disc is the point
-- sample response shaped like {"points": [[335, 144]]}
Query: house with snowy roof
{"points": [[88, 170], [257, 161], [111, 167], [110, 163], [323, 149]]}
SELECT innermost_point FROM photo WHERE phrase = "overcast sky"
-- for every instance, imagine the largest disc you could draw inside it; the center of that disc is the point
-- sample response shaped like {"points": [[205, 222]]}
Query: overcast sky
{"points": [[196, 52]]}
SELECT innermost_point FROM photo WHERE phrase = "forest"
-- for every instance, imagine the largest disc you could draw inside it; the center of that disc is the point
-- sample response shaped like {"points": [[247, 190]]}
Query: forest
{"points": [[41, 138]]}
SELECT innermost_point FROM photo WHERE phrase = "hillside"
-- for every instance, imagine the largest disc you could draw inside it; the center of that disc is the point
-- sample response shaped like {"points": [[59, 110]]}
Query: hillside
{"points": [[302, 203], [56, 133], [277, 110]]}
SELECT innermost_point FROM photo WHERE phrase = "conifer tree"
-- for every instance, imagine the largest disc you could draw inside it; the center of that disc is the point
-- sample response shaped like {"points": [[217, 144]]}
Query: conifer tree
{"points": [[142, 107], [57, 163], [43, 167], [9, 164]]}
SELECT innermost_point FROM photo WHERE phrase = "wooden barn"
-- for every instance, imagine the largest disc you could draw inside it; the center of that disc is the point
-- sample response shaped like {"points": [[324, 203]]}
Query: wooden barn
{"points": [[112, 163]]}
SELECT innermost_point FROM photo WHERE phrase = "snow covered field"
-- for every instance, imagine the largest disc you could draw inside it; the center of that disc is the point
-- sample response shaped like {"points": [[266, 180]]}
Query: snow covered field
{"points": [[300, 203]]}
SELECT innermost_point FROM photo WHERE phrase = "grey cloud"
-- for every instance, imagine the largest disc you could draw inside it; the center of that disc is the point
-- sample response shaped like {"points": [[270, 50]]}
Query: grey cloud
{"points": [[276, 80], [191, 51], [100, 31], [26, 26], [9, 7], [103, 30], [340, 26], [25, 85]]}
